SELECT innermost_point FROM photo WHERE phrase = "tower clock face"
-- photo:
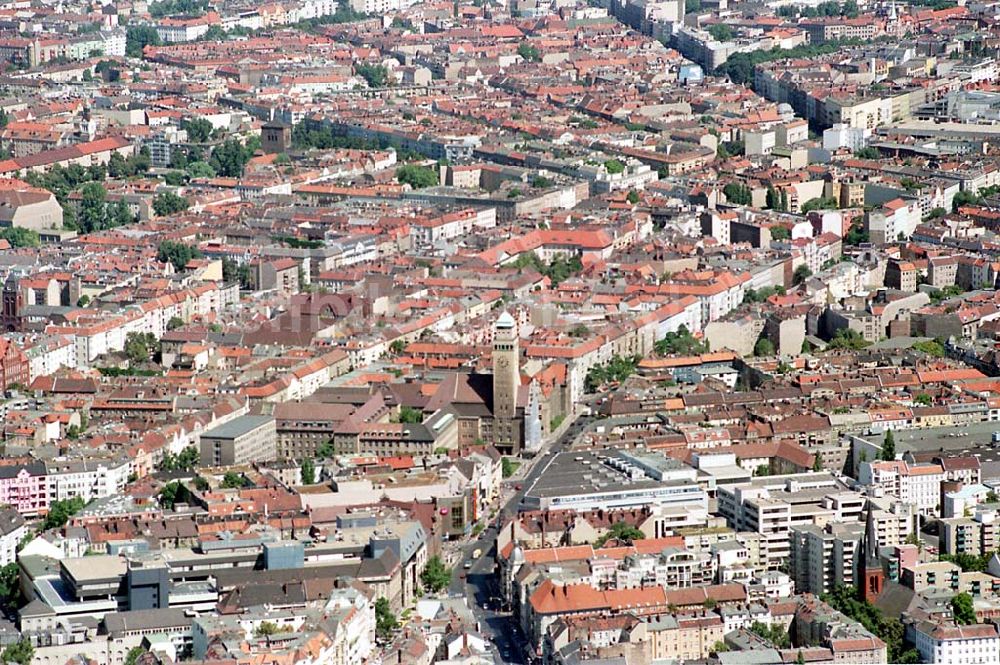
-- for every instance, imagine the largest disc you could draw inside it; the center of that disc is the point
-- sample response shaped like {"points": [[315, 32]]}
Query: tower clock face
{"points": [[503, 362]]}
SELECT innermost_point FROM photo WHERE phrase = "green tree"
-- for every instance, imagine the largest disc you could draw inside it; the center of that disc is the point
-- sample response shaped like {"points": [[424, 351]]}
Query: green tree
{"points": [[763, 348], [923, 399], [528, 52], [230, 158], [236, 272], [738, 194], [847, 338], [199, 130], [416, 176], [632, 197], [931, 347], [720, 32], [117, 166], [177, 253], [11, 597], [436, 576], [868, 153], [199, 170], [60, 512], [407, 414], [991, 497], [140, 347], [173, 493], [820, 203], [325, 451], [774, 634], [93, 214], [308, 472], [186, 460], [385, 620], [174, 323], [132, 657], [962, 609], [120, 213], [681, 342], [615, 370], [964, 198], [969, 563], [163, 8], [507, 467], [168, 203], [266, 629], [138, 37], [20, 237], [623, 532], [233, 480], [856, 234], [889, 447], [801, 274], [20, 652], [376, 76], [614, 166]]}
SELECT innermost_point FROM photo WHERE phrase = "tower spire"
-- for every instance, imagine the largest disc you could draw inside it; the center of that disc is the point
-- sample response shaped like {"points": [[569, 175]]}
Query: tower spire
{"points": [[872, 580]]}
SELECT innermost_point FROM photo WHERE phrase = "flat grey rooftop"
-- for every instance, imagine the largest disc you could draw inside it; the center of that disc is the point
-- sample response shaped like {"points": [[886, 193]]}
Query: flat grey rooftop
{"points": [[237, 427], [584, 472]]}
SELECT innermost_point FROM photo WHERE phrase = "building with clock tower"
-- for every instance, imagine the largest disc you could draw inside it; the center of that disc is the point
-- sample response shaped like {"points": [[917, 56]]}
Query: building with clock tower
{"points": [[506, 382]]}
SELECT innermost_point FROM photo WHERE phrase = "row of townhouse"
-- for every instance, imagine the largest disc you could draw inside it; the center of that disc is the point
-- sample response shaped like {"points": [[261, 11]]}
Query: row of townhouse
{"points": [[31, 488], [636, 337], [94, 338], [33, 52], [173, 30], [302, 381]]}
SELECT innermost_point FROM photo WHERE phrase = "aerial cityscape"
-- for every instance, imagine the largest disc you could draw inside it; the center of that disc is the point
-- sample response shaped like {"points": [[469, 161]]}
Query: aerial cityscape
{"points": [[469, 332]]}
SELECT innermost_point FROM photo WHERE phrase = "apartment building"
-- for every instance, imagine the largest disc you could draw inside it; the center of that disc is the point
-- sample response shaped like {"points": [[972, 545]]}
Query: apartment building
{"points": [[770, 506], [87, 479], [947, 643], [243, 440], [918, 485], [13, 529], [303, 428], [823, 558]]}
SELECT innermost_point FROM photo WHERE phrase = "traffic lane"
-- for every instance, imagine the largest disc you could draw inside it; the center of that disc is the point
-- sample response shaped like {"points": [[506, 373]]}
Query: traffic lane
{"points": [[503, 637]]}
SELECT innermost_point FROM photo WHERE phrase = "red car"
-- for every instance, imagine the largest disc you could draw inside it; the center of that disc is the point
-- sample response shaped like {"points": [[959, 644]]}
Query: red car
{"points": [[517, 487]]}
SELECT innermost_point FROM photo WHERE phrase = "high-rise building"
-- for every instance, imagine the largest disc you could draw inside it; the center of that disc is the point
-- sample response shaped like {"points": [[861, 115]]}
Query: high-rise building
{"points": [[823, 558]]}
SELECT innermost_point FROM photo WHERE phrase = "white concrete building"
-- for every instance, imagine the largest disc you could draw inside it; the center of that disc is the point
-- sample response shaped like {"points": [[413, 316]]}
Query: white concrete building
{"points": [[12, 532], [918, 485], [87, 479], [978, 644]]}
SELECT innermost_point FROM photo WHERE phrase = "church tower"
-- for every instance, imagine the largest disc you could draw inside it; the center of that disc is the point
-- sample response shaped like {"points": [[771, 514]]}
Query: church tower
{"points": [[506, 380], [13, 304], [872, 578]]}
